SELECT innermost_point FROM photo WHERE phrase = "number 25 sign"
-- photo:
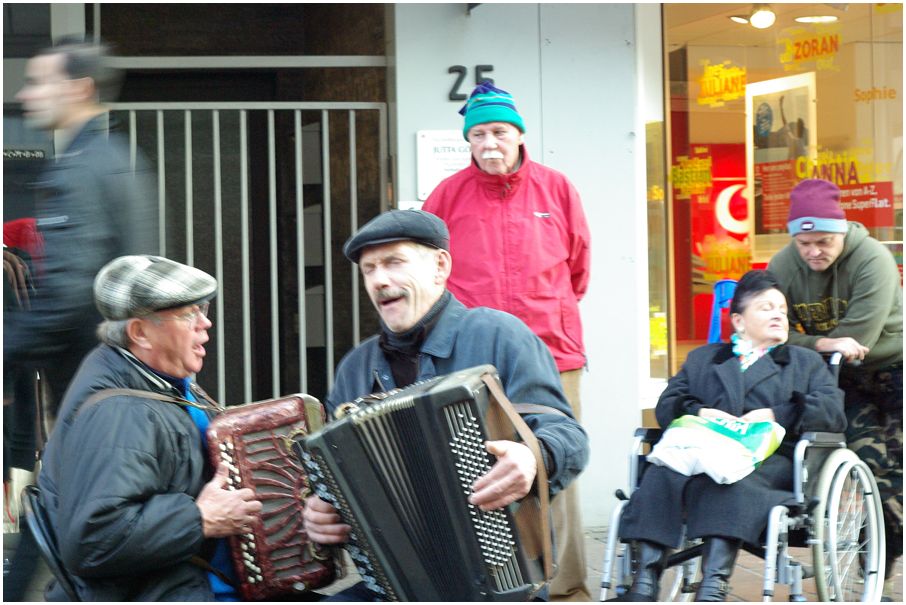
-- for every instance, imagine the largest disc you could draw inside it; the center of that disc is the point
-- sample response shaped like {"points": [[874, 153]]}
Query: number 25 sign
{"points": [[461, 71]]}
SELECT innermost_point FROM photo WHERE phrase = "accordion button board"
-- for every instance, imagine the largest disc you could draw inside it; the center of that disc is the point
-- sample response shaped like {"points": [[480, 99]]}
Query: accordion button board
{"points": [[399, 467]]}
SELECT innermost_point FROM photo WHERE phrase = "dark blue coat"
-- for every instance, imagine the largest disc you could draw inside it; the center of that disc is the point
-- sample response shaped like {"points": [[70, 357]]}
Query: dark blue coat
{"points": [[463, 338], [120, 480]]}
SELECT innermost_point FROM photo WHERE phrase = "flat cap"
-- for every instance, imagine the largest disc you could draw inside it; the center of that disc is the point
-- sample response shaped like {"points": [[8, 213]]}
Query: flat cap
{"points": [[399, 225], [135, 286]]}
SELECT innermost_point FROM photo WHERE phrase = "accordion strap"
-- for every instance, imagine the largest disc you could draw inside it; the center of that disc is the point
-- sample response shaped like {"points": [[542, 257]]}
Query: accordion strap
{"points": [[107, 393], [531, 441], [198, 561], [536, 408]]}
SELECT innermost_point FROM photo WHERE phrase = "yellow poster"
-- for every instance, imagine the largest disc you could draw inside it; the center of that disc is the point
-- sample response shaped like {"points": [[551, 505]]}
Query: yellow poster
{"points": [[721, 83]]}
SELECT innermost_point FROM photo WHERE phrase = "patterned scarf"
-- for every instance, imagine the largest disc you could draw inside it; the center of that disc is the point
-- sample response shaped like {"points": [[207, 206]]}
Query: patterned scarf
{"points": [[746, 353]]}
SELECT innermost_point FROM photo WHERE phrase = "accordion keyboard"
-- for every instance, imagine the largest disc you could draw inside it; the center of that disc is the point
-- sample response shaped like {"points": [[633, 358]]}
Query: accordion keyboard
{"points": [[400, 473], [325, 487], [495, 537]]}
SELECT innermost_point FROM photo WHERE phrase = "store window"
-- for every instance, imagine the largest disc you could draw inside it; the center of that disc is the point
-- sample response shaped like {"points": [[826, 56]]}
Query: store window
{"points": [[751, 112]]}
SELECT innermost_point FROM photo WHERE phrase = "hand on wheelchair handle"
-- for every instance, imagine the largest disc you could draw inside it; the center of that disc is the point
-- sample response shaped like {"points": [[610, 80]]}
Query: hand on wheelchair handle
{"points": [[852, 350]]}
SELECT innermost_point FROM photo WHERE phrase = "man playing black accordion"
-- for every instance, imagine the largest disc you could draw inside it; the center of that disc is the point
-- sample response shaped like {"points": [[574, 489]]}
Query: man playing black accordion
{"points": [[425, 332]]}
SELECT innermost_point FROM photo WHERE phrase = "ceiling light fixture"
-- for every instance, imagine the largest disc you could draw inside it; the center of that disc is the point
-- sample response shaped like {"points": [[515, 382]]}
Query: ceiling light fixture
{"points": [[739, 19], [762, 16], [816, 19]]}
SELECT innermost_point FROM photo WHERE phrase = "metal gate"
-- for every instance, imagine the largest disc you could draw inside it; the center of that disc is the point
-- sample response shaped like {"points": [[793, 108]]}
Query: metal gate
{"points": [[254, 194]]}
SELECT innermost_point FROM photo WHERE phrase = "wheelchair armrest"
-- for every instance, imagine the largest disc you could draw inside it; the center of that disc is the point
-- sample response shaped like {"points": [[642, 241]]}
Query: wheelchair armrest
{"points": [[642, 436], [648, 435], [816, 439]]}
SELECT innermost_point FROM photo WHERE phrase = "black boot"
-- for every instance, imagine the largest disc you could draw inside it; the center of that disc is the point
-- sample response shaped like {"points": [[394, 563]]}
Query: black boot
{"points": [[651, 559], [718, 560]]}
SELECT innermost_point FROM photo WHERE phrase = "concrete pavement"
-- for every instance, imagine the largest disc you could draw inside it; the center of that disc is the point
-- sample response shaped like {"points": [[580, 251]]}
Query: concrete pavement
{"points": [[745, 583]]}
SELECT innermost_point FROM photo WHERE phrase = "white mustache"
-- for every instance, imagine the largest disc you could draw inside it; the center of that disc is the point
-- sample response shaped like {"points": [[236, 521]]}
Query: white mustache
{"points": [[492, 155]]}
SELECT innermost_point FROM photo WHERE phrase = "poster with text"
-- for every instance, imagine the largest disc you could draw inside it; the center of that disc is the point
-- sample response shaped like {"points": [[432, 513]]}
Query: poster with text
{"points": [[782, 129]]}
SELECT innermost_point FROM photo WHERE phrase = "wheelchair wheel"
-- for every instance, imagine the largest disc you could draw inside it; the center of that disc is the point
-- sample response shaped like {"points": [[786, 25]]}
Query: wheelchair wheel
{"points": [[848, 545]]}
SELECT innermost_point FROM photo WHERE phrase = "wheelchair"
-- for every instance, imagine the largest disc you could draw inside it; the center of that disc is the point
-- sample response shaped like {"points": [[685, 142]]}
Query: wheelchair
{"points": [[834, 510]]}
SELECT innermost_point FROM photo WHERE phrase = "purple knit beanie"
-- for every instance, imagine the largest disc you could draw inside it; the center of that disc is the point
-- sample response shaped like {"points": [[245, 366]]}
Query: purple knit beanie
{"points": [[815, 206]]}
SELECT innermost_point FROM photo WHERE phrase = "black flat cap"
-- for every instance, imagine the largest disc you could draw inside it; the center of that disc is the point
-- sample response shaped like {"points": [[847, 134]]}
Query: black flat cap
{"points": [[399, 225]]}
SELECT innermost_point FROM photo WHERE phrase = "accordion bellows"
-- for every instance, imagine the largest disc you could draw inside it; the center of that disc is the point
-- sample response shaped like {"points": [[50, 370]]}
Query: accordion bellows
{"points": [[255, 439], [399, 471]]}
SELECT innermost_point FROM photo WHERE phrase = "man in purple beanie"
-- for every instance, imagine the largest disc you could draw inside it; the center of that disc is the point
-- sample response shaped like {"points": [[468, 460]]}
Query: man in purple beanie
{"points": [[844, 294]]}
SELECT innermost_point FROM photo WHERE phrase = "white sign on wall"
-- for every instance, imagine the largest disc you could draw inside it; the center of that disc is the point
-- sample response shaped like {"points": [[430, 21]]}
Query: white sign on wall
{"points": [[439, 153]]}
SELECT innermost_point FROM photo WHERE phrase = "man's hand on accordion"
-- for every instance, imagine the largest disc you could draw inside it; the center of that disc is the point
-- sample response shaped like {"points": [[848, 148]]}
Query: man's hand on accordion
{"points": [[322, 523], [510, 478], [226, 512]]}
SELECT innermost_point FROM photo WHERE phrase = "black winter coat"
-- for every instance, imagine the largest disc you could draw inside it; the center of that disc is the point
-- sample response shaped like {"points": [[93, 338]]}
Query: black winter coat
{"points": [[120, 480], [794, 382], [91, 209]]}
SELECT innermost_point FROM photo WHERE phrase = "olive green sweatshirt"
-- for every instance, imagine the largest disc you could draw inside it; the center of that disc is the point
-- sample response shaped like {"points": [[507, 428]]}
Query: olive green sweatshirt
{"points": [[859, 296]]}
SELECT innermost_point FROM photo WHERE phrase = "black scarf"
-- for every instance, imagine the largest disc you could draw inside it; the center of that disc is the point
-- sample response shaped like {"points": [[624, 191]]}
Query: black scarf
{"points": [[402, 349]]}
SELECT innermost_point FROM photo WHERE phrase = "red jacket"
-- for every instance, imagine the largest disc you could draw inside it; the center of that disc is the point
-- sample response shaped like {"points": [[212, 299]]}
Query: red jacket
{"points": [[520, 243]]}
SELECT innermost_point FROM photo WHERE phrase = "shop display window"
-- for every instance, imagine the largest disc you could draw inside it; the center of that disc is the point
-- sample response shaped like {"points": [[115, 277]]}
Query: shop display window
{"points": [[750, 113]]}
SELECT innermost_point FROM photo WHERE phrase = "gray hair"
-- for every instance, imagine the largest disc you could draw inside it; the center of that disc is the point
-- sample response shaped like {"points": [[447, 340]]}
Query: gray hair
{"points": [[113, 332]]}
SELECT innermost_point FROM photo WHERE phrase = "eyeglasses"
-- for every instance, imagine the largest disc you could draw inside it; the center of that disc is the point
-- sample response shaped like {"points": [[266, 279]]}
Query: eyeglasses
{"points": [[190, 317]]}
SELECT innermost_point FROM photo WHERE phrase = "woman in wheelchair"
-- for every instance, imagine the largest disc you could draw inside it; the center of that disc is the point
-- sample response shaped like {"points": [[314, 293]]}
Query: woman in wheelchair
{"points": [[756, 378]]}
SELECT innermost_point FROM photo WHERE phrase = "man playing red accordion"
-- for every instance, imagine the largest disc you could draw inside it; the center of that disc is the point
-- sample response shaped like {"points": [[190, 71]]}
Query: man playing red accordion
{"points": [[138, 513]]}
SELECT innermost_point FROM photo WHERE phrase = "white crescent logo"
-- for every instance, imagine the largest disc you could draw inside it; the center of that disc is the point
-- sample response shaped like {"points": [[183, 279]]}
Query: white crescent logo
{"points": [[722, 211]]}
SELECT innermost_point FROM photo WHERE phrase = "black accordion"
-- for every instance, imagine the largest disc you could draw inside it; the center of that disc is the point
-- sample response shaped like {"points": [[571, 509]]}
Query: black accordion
{"points": [[399, 471]]}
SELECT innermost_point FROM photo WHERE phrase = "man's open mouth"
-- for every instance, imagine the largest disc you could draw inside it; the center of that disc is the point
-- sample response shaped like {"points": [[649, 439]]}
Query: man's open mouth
{"points": [[389, 301]]}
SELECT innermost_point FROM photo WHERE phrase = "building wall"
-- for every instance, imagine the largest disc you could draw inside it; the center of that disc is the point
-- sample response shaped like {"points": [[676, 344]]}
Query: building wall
{"points": [[573, 72]]}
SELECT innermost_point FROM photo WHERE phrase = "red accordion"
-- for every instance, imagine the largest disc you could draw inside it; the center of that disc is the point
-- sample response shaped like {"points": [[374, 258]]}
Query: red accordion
{"points": [[255, 440]]}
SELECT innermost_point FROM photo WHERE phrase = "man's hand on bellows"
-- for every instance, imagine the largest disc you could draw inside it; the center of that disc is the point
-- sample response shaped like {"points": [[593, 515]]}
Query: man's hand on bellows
{"points": [[510, 478], [226, 512], [322, 523]]}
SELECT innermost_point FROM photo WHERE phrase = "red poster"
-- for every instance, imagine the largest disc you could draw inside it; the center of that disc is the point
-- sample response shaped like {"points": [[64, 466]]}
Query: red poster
{"points": [[868, 203], [720, 231], [773, 183]]}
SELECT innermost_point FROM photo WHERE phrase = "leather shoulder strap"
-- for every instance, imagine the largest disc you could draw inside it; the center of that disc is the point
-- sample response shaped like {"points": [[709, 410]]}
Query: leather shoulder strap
{"points": [[108, 393], [536, 408], [531, 441]]}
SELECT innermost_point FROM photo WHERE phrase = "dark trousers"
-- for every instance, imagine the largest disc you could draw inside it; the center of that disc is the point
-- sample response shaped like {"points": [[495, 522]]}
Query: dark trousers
{"points": [[874, 411], [666, 499]]}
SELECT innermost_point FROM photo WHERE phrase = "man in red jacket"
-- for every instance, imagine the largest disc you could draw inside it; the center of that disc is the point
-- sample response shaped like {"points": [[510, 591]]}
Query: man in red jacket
{"points": [[521, 244]]}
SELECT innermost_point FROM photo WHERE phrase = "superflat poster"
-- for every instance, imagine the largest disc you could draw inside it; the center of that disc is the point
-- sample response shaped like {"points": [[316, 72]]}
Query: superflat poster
{"points": [[782, 132]]}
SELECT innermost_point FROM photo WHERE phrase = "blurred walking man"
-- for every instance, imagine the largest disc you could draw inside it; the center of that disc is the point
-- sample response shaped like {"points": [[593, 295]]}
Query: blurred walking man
{"points": [[92, 208]]}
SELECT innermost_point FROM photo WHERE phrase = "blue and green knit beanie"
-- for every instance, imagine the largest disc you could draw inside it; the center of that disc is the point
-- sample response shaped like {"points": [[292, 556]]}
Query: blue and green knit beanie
{"points": [[489, 104]]}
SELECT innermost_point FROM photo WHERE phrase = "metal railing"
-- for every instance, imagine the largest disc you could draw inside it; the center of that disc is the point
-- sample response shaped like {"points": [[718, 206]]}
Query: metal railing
{"points": [[184, 220]]}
